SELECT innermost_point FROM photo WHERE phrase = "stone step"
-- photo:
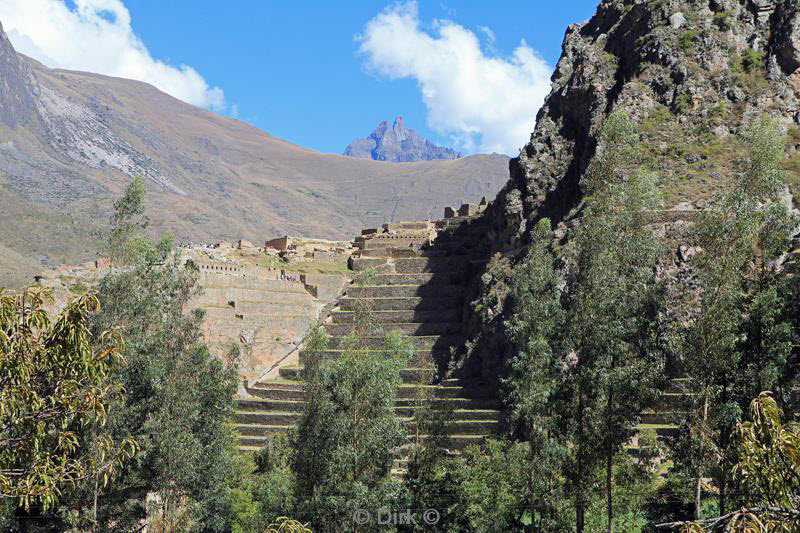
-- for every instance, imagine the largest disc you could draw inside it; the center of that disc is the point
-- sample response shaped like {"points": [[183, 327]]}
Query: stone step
{"points": [[404, 252], [281, 406], [409, 225], [279, 418], [457, 442], [418, 279], [381, 243], [406, 291], [359, 264], [419, 342], [488, 404], [415, 265], [659, 418], [454, 442], [409, 375], [662, 430], [457, 414], [266, 418], [276, 384], [269, 393], [400, 304], [404, 391], [465, 427], [419, 358], [407, 328], [671, 401], [406, 316]]}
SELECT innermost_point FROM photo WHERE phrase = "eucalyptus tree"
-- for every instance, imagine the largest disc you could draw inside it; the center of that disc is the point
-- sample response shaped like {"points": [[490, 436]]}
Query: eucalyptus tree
{"points": [[178, 400], [613, 307], [535, 369], [348, 433], [740, 339]]}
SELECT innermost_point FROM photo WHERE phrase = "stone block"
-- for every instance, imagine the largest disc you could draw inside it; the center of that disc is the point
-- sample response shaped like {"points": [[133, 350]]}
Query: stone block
{"points": [[102, 262], [281, 243], [468, 210], [244, 245]]}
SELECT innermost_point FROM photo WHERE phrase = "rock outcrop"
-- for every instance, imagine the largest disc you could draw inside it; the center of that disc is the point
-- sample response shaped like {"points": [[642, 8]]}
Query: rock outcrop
{"points": [[691, 74], [694, 70], [16, 88], [398, 144]]}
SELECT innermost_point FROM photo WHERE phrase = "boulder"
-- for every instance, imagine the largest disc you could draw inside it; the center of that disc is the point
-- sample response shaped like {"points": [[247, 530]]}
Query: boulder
{"points": [[677, 20], [785, 42]]}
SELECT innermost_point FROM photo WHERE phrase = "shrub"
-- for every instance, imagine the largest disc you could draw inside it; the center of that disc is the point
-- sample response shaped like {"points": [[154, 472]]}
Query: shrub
{"points": [[722, 20], [688, 39], [753, 60]]}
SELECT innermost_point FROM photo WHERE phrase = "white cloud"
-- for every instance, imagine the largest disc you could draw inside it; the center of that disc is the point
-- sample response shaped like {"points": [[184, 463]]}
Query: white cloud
{"points": [[486, 30], [96, 36], [482, 102]]}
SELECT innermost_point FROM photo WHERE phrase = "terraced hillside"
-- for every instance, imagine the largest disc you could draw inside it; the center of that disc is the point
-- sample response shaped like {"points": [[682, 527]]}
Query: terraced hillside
{"points": [[419, 290]]}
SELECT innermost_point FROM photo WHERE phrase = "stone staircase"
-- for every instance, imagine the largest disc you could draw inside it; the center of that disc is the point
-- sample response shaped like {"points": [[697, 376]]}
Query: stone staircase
{"points": [[419, 289]]}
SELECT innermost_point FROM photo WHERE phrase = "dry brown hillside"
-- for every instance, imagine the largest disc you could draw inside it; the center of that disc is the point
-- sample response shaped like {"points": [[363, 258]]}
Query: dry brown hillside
{"points": [[70, 142]]}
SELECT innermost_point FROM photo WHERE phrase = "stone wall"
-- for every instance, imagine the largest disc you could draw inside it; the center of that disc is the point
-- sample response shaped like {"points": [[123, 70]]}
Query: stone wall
{"points": [[264, 312]]}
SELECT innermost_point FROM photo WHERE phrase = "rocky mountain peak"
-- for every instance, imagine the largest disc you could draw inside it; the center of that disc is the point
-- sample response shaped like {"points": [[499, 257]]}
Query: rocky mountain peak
{"points": [[17, 87], [691, 73], [397, 144]]}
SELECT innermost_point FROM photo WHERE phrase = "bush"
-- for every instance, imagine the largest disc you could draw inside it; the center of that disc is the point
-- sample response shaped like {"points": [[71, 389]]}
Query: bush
{"points": [[688, 39], [722, 20], [753, 60]]}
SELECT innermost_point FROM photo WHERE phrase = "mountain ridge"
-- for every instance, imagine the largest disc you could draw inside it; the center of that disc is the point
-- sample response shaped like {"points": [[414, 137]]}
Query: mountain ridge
{"points": [[398, 144], [72, 141]]}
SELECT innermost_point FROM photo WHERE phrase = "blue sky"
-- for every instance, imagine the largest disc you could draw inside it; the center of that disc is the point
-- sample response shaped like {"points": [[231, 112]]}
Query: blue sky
{"points": [[295, 70]]}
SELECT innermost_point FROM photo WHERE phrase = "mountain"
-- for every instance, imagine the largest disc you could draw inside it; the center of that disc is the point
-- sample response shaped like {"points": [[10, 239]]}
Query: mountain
{"points": [[398, 144], [691, 73], [70, 142]]}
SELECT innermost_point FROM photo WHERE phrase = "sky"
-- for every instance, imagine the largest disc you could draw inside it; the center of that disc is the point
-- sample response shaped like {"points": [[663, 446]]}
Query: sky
{"points": [[469, 74]]}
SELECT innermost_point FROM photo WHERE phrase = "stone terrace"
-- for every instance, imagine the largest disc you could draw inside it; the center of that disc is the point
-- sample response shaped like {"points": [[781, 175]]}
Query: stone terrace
{"points": [[419, 290]]}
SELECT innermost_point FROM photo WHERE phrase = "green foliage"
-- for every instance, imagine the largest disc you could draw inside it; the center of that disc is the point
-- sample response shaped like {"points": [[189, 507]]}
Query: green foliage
{"points": [[612, 311], [491, 486], [753, 60], [345, 440], [534, 374], [722, 20], [55, 389], [535, 328], [688, 39], [741, 337], [767, 470], [266, 486], [178, 402], [682, 103]]}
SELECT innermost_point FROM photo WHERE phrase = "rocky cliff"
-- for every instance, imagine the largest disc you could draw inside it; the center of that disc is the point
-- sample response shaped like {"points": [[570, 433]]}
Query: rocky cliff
{"points": [[691, 72], [398, 144]]}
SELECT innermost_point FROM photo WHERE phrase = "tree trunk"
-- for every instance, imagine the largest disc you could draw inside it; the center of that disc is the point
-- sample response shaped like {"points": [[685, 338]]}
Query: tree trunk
{"points": [[609, 502], [609, 460], [579, 488], [94, 510], [699, 481]]}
